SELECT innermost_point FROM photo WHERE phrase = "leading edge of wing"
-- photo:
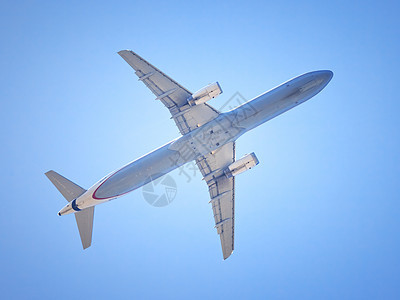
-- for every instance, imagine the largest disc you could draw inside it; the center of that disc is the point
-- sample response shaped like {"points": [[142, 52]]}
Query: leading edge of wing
{"points": [[173, 95], [123, 54]]}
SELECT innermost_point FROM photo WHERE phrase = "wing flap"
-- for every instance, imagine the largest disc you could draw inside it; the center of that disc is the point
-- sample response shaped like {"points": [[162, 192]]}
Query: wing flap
{"points": [[224, 211], [222, 193], [173, 95], [157, 81]]}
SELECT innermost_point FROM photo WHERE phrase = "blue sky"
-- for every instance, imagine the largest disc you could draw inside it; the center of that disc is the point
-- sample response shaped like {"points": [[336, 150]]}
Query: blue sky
{"points": [[318, 218]]}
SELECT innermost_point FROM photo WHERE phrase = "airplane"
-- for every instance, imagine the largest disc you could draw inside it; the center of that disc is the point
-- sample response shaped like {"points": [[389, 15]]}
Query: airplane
{"points": [[208, 137]]}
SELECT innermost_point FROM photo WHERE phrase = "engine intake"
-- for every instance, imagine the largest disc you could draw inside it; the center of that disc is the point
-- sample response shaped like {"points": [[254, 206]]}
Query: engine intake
{"points": [[206, 93], [245, 163]]}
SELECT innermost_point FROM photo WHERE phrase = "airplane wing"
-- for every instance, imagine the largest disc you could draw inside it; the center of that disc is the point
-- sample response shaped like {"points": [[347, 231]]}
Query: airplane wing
{"points": [[171, 94], [222, 193]]}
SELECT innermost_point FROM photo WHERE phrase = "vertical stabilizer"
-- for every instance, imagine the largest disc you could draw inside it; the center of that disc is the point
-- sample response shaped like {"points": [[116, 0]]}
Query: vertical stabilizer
{"points": [[71, 191]]}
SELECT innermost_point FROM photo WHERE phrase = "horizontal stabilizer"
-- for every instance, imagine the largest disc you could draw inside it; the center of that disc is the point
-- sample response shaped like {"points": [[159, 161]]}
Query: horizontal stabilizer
{"points": [[67, 188], [71, 191], [84, 219]]}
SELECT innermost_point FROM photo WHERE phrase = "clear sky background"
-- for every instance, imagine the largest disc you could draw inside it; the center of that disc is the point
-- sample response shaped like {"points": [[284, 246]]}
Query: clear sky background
{"points": [[318, 218]]}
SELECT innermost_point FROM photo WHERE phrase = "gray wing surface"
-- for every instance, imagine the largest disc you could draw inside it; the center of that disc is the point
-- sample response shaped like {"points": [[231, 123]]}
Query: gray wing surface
{"points": [[222, 193], [171, 94]]}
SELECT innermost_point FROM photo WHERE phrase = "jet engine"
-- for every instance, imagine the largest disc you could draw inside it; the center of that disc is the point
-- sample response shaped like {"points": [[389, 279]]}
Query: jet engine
{"points": [[206, 93], [245, 163]]}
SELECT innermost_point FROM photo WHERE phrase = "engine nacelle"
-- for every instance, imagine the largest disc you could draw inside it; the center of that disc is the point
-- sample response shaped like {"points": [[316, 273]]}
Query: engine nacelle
{"points": [[245, 163], [206, 93]]}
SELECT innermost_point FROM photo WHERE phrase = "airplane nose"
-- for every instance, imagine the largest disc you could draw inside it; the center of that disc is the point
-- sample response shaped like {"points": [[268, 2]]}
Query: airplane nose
{"points": [[314, 82], [325, 75]]}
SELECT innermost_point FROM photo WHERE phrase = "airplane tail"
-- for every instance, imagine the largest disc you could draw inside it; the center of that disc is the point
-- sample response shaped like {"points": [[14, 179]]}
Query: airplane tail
{"points": [[71, 191]]}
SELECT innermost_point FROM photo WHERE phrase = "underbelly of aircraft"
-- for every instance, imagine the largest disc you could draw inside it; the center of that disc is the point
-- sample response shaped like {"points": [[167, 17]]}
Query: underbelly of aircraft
{"points": [[139, 172]]}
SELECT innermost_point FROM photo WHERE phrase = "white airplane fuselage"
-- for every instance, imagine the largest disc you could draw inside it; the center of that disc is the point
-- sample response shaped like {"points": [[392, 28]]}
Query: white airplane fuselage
{"points": [[227, 127]]}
